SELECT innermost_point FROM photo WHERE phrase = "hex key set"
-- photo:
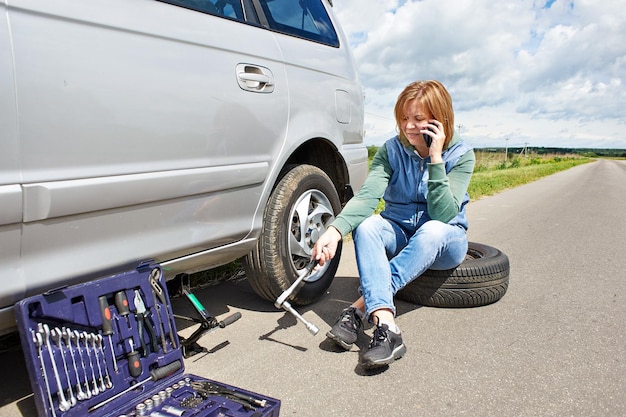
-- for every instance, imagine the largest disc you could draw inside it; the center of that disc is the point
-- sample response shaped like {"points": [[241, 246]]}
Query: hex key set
{"points": [[109, 348]]}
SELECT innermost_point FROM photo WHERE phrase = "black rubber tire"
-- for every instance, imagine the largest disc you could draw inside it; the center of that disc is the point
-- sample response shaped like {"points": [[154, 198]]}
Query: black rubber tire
{"points": [[482, 279], [284, 247]]}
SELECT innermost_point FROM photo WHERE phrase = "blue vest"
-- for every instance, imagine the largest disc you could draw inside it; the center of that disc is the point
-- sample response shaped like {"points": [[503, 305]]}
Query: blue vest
{"points": [[406, 193]]}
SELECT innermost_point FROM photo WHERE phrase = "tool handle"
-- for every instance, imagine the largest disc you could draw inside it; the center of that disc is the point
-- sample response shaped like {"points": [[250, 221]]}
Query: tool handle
{"points": [[155, 375], [309, 326], [230, 319], [107, 326], [134, 363], [121, 302], [140, 326], [149, 327], [197, 305], [166, 370]]}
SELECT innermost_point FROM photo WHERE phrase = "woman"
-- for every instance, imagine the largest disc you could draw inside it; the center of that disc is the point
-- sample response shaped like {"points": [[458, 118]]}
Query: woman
{"points": [[423, 175]]}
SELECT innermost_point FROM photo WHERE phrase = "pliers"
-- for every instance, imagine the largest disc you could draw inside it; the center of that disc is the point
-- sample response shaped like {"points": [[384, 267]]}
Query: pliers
{"points": [[144, 323]]}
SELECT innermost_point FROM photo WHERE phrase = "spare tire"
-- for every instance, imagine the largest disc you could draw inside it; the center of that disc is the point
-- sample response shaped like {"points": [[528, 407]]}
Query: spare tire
{"points": [[481, 279]]}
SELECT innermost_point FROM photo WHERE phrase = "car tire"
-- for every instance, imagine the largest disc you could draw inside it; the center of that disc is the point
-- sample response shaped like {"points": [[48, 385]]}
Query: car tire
{"points": [[301, 206], [481, 279]]}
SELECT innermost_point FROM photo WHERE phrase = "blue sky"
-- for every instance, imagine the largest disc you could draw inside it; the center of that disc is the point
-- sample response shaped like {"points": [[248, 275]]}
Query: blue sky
{"points": [[539, 73]]}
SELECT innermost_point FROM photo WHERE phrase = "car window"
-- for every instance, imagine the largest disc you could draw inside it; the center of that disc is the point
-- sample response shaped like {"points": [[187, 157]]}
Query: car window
{"points": [[224, 8], [303, 18]]}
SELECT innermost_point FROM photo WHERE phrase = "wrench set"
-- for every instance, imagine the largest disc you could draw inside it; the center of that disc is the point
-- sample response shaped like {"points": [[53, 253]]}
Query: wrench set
{"points": [[109, 348], [70, 382]]}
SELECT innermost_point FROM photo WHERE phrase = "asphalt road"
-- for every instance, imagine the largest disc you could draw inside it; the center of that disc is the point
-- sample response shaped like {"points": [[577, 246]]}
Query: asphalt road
{"points": [[554, 345]]}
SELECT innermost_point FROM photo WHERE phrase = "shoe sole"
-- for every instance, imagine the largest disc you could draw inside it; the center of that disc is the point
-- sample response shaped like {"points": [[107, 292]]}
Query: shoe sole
{"points": [[339, 341], [397, 353]]}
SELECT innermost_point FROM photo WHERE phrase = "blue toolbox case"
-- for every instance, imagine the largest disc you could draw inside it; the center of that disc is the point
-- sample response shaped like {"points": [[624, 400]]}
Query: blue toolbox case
{"points": [[68, 344]]}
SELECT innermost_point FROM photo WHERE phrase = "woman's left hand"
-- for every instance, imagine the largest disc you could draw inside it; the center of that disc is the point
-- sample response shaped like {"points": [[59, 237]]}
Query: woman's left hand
{"points": [[438, 135]]}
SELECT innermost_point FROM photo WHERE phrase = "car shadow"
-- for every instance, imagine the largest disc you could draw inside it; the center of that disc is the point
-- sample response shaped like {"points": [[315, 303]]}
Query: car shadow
{"points": [[15, 386], [225, 297]]}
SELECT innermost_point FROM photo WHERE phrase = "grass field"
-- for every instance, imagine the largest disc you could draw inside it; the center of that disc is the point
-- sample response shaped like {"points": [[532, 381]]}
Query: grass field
{"points": [[493, 175]]}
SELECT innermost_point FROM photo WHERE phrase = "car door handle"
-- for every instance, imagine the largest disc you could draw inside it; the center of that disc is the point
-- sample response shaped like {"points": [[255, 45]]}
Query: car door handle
{"points": [[255, 78], [259, 78]]}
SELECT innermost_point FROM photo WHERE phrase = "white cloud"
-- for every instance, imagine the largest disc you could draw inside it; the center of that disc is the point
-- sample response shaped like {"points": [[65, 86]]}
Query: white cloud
{"points": [[550, 74]]}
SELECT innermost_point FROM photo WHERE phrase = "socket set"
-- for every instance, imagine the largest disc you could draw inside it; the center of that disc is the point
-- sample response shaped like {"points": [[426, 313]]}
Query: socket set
{"points": [[109, 348]]}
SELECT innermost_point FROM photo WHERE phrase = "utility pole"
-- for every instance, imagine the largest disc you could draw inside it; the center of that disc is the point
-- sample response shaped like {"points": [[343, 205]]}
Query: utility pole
{"points": [[506, 150]]}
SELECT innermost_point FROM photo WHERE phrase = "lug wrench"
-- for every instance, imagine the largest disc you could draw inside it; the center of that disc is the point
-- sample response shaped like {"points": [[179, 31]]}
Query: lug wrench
{"points": [[64, 404], [67, 339], [95, 391], [281, 301], [56, 337], [38, 341], [75, 335]]}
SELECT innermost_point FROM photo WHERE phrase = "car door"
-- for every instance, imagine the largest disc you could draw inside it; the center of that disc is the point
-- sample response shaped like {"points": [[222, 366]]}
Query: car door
{"points": [[10, 190], [146, 130]]}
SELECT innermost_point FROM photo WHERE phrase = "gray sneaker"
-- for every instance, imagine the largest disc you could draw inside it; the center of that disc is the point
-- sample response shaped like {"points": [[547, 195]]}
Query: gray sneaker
{"points": [[386, 347], [345, 331]]}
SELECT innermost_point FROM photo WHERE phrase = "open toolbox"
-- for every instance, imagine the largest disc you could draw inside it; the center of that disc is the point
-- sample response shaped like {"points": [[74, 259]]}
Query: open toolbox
{"points": [[110, 348]]}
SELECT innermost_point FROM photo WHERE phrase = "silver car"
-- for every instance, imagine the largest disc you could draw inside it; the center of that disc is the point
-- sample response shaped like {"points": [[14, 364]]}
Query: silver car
{"points": [[191, 132]]}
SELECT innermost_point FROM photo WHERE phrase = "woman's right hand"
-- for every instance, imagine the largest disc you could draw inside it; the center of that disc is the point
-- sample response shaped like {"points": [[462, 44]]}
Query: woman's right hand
{"points": [[326, 246]]}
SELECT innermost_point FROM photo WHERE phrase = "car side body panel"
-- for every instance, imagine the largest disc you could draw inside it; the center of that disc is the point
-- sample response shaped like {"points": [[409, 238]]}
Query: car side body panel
{"points": [[143, 130], [13, 285]]}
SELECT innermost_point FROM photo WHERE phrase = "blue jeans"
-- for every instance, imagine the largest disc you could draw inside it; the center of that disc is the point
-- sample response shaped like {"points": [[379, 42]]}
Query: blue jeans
{"points": [[388, 258]]}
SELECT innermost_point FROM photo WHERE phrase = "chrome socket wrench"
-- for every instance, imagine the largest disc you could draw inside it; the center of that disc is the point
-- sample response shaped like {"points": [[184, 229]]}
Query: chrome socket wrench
{"points": [[281, 301]]}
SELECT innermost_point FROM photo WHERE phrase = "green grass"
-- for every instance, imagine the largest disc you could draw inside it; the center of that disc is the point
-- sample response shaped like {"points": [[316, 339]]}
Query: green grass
{"points": [[493, 175], [490, 178]]}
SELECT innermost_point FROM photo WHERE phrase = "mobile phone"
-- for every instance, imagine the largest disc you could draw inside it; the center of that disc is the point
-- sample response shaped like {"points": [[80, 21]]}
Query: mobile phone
{"points": [[427, 138]]}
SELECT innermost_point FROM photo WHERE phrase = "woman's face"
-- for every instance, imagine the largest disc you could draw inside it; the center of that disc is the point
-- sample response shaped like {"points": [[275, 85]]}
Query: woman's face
{"points": [[415, 119]]}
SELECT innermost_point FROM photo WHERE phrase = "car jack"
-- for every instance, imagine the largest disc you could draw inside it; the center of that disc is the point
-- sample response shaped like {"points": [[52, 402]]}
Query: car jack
{"points": [[190, 346]]}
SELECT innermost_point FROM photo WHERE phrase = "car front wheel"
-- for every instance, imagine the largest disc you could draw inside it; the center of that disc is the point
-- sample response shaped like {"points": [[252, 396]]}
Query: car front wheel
{"points": [[299, 210]]}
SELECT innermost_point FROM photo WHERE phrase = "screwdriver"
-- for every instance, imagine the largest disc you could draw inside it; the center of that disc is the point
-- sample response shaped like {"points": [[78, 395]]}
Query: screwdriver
{"points": [[155, 375], [134, 362], [121, 302], [107, 326]]}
